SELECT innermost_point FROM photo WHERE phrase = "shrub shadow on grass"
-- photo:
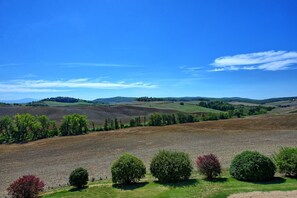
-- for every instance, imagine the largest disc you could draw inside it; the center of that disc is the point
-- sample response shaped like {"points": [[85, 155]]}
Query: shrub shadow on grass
{"points": [[291, 176], [190, 182], [129, 186], [275, 180], [217, 180], [78, 189]]}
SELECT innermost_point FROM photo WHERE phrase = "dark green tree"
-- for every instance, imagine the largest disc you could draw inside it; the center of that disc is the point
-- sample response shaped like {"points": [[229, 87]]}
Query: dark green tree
{"points": [[116, 124], [74, 124], [155, 120], [112, 126], [132, 123], [6, 129], [106, 128]]}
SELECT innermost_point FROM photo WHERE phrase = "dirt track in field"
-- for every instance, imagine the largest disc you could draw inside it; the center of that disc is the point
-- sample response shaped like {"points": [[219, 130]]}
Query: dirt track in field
{"points": [[53, 159]]}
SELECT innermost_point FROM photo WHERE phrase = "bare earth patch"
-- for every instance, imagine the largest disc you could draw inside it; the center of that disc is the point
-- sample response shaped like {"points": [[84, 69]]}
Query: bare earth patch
{"points": [[53, 159], [273, 194]]}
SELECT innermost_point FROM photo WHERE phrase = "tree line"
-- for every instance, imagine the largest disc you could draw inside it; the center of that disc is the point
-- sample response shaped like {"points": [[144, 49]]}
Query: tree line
{"points": [[27, 127], [149, 99], [236, 110], [218, 105]]}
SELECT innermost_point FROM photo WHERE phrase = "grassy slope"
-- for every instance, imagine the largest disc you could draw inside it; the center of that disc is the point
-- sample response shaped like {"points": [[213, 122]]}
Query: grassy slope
{"points": [[187, 107], [196, 187]]}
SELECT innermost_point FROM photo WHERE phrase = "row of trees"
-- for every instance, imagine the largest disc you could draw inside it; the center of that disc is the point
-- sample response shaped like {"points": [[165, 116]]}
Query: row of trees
{"points": [[218, 105], [236, 110], [149, 99], [157, 119], [110, 124], [27, 127]]}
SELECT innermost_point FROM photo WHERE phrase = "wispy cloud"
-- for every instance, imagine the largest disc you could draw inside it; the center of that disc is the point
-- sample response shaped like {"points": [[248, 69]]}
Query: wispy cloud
{"points": [[195, 71], [29, 75], [88, 64], [6, 88], [9, 64], [269, 60], [68, 85]]}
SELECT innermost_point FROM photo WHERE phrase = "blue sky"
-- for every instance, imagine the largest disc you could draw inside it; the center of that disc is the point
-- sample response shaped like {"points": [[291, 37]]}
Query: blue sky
{"points": [[105, 48]]}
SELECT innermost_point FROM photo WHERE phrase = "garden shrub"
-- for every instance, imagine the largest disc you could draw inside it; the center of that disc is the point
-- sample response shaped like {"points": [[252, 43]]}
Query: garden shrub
{"points": [[286, 161], [170, 166], [127, 169], [27, 186], [209, 165], [252, 166], [79, 177]]}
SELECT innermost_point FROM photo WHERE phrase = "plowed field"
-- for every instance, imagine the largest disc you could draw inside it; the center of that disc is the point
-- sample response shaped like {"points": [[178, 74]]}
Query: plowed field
{"points": [[53, 159]]}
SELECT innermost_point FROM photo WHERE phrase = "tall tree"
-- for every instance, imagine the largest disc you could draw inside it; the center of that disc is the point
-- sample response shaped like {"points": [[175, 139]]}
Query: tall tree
{"points": [[116, 123]]}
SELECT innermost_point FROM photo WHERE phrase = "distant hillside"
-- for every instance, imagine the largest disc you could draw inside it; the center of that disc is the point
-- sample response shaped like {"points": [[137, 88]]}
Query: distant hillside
{"points": [[226, 99], [118, 99], [264, 101], [279, 99], [64, 100], [56, 101], [171, 99], [189, 99]]}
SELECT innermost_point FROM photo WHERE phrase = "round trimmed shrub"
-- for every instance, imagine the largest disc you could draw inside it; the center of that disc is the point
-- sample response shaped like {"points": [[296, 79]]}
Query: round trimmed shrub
{"points": [[127, 169], [26, 186], [209, 166], [79, 177], [286, 161], [171, 166], [252, 166]]}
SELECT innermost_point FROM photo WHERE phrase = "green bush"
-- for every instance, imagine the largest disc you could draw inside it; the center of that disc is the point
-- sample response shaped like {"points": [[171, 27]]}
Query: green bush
{"points": [[170, 166], [252, 166], [127, 169], [79, 177], [286, 161]]}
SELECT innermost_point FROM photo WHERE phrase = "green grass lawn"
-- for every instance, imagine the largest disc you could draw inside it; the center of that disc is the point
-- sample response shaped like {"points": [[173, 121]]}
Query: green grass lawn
{"points": [[195, 187], [187, 107]]}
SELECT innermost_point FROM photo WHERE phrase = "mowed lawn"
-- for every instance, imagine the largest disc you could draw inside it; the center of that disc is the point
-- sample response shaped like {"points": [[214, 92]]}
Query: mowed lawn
{"points": [[195, 187], [187, 107]]}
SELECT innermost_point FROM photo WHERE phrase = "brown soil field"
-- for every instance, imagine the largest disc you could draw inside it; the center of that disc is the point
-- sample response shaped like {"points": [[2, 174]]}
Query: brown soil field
{"points": [[53, 159], [96, 114]]}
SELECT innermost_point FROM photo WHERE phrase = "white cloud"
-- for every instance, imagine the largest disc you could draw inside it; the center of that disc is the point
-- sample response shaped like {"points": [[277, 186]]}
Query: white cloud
{"points": [[269, 60], [57, 86]]}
